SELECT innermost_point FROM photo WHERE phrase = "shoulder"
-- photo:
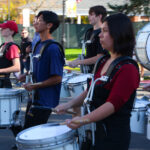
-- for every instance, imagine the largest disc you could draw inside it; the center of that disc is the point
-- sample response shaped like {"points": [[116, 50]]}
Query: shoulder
{"points": [[129, 70]]}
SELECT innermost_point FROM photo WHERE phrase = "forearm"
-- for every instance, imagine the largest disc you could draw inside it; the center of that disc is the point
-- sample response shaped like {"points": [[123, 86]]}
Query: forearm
{"points": [[15, 68], [101, 112], [54, 80], [89, 61]]}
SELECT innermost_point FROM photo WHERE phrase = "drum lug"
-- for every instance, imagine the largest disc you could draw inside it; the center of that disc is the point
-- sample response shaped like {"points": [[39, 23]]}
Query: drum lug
{"points": [[16, 118], [71, 88], [138, 115]]}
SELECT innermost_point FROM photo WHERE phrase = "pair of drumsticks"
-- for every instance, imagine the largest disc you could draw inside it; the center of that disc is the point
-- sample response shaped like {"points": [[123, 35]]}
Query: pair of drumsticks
{"points": [[75, 121]]}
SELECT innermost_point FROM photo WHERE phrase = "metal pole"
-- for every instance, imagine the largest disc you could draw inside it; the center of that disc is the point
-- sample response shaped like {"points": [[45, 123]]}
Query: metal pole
{"points": [[63, 25], [8, 9]]}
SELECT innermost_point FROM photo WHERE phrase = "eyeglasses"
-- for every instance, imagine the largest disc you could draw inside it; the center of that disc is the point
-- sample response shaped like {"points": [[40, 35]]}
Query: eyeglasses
{"points": [[24, 32]]}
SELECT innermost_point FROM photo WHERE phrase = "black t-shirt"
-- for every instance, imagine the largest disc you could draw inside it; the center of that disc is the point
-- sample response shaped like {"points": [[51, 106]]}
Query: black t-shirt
{"points": [[93, 48], [25, 42]]}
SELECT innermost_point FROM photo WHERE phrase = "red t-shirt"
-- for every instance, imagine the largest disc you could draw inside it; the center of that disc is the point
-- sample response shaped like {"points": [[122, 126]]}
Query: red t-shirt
{"points": [[124, 82], [12, 53]]}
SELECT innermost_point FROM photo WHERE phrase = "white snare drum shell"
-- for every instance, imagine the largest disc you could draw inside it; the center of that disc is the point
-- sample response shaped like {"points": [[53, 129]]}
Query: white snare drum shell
{"points": [[148, 124], [78, 84], [9, 103], [138, 117], [64, 88]]}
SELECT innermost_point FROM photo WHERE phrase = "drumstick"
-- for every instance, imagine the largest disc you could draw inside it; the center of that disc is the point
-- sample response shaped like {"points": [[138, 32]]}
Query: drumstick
{"points": [[77, 121], [67, 111], [38, 83]]}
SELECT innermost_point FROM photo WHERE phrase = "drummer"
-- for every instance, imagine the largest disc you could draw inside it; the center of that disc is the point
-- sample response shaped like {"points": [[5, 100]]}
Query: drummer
{"points": [[9, 59], [93, 49], [113, 101]]}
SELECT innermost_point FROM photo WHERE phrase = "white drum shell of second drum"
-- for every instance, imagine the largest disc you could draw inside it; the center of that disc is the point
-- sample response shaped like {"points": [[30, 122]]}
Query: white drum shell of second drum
{"points": [[138, 116], [78, 84], [48, 136], [148, 124], [9, 103], [64, 88]]}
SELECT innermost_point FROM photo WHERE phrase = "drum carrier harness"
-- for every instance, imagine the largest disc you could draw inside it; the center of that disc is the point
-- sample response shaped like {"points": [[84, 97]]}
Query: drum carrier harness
{"points": [[91, 102], [5, 63], [29, 77], [88, 40]]}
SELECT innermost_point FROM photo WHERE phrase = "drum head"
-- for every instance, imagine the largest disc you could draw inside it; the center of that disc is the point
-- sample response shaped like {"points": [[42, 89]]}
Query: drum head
{"points": [[43, 132], [79, 79], [142, 50], [141, 103]]}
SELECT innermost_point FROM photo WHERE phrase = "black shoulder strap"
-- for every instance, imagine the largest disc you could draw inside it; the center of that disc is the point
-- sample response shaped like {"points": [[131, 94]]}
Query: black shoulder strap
{"points": [[86, 33], [7, 46], [2, 45], [34, 48], [116, 65], [94, 34], [99, 61], [49, 42]]}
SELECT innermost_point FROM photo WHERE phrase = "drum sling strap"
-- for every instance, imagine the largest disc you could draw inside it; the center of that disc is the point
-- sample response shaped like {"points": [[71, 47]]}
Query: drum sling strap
{"points": [[113, 68], [5, 76], [44, 46], [48, 43], [7, 46]]}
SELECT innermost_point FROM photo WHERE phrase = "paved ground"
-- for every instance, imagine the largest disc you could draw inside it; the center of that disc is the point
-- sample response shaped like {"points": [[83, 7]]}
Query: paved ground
{"points": [[138, 141]]}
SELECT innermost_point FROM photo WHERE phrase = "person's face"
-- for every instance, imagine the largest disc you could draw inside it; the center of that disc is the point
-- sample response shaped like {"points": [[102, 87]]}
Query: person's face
{"points": [[93, 19], [105, 38], [24, 33], [6, 32], [34, 22], [41, 25]]}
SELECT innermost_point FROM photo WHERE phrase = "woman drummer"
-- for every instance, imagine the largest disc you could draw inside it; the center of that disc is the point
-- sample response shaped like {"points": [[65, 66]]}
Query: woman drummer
{"points": [[112, 101]]}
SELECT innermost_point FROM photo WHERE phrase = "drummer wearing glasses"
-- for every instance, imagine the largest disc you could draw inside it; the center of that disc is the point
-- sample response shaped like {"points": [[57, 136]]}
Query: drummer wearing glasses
{"points": [[113, 97]]}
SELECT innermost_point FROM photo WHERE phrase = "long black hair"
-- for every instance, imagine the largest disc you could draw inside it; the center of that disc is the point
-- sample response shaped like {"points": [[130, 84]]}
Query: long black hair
{"points": [[121, 30]]}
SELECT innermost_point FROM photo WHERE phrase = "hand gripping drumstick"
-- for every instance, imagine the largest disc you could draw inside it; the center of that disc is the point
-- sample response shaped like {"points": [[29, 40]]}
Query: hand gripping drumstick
{"points": [[67, 111], [77, 121]]}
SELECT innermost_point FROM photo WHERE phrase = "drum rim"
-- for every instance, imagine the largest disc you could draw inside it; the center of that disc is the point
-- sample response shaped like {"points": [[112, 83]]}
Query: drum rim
{"points": [[136, 53], [84, 81], [10, 91], [63, 138], [139, 109]]}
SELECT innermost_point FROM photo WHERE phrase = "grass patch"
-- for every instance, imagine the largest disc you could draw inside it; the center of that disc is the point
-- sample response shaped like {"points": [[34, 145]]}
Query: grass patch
{"points": [[72, 54]]}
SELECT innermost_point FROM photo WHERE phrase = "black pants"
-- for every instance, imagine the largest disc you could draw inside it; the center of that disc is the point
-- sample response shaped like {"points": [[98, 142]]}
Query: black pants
{"points": [[5, 83], [113, 139], [33, 116], [36, 116]]}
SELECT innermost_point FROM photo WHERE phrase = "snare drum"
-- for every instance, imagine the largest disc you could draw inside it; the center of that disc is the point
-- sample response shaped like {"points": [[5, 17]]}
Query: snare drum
{"points": [[148, 124], [48, 136], [9, 103], [64, 88], [78, 84], [138, 117]]}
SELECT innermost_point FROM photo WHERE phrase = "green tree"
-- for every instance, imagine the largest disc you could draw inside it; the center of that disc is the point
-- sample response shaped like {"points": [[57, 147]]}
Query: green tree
{"points": [[133, 7]]}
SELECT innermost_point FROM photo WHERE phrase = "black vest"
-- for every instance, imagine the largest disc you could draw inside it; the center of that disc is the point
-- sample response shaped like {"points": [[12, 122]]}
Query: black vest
{"points": [[4, 62], [100, 95]]}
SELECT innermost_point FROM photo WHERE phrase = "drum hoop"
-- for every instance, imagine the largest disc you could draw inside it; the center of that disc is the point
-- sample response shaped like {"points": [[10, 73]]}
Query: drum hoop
{"points": [[78, 83], [44, 146], [52, 141], [139, 109], [137, 56]]}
